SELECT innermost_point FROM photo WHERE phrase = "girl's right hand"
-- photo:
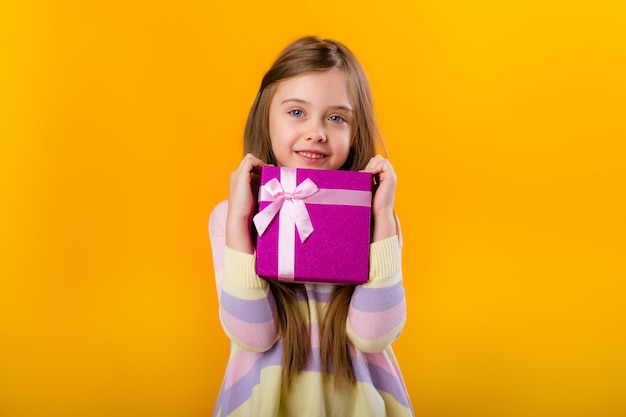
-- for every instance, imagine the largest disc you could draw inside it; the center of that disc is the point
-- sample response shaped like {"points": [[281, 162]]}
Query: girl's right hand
{"points": [[244, 186]]}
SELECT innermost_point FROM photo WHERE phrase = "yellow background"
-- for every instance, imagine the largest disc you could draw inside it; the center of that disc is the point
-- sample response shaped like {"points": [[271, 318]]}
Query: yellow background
{"points": [[121, 122]]}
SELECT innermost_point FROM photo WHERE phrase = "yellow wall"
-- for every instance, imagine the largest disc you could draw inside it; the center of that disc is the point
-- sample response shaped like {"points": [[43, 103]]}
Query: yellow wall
{"points": [[121, 121]]}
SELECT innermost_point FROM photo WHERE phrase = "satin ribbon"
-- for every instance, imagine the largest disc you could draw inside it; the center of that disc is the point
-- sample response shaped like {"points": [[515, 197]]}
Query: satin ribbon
{"points": [[288, 201]]}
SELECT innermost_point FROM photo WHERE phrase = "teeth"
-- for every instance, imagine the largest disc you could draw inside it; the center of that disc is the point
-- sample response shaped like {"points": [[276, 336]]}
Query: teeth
{"points": [[311, 155]]}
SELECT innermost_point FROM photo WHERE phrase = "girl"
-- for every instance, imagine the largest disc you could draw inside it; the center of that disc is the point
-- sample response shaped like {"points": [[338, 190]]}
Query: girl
{"points": [[310, 349]]}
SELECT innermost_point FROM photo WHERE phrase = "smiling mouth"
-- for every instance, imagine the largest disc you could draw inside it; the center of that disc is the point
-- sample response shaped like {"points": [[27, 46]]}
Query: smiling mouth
{"points": [[312, 155]]}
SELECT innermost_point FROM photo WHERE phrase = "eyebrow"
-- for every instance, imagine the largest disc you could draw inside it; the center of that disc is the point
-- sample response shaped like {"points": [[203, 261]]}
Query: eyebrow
{"points": [[299, 100]]}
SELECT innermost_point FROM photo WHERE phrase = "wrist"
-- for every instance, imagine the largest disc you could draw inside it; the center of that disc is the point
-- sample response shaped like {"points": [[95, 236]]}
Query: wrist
{"points": [[383, 212], [238, 235], [384, 225]]}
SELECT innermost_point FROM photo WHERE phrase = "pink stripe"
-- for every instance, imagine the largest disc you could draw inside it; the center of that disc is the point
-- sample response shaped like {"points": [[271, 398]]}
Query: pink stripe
{"points": [[260, 335], [399, 375], [241, 364], [217, 221], [362, 322], [315, 336], [218, 257], [381, 359], [331, 196], [328, 196]]}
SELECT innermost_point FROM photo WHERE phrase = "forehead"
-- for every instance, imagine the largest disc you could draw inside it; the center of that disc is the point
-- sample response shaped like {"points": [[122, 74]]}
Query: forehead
{"points": [[319, 88]]}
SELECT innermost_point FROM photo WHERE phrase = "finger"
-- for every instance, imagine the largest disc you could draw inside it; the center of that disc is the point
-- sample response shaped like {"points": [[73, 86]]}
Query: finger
{"points": [[250, 161], [369, 165], [249, 166], [375, 165]]}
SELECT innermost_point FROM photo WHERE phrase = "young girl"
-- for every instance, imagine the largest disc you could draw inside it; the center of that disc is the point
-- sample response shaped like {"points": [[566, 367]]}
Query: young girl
{"points": [[310, 349]]}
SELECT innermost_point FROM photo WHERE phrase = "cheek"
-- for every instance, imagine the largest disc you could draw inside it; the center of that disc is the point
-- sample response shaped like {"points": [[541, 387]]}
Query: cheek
{"points": [[277, 128], [277, 137], [275, 134], [343, 146], [348, 138], [274, 124]]}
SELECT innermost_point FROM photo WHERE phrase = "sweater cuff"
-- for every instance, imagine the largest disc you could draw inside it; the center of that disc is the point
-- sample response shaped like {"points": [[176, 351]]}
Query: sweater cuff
{"points": [[240, 270], [384, 258]]}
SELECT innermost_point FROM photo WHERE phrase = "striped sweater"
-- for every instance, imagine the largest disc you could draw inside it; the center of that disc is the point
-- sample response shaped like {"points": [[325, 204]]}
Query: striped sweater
{"points": [[252, 382]]}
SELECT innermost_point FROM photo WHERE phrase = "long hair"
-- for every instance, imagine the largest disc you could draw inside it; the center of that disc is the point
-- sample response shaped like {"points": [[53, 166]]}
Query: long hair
{"points": [[304, 56]]}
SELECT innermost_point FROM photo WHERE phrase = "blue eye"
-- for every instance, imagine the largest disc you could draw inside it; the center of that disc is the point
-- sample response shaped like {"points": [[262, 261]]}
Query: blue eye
{"points": [[337, 119], [296, 113]]}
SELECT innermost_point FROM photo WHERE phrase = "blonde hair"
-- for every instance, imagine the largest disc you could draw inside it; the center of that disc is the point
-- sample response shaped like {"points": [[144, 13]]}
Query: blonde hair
{"points": [[303, 56]]}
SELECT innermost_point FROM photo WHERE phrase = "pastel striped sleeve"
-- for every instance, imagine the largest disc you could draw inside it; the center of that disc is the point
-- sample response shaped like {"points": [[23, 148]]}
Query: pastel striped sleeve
{"points": [[246, 305], [378, 308]]}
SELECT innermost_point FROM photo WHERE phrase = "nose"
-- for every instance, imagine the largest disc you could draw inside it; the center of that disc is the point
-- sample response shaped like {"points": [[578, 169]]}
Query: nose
{"points": [[315, 132]]}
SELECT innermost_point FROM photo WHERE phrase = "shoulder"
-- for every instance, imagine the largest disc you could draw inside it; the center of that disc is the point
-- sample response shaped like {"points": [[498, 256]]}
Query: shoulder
{"points": [[217, 219], [220, 209]]}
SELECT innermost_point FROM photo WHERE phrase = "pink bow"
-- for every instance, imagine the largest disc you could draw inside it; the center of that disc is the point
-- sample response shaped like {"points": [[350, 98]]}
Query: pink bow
{"points": [[290, 204]]}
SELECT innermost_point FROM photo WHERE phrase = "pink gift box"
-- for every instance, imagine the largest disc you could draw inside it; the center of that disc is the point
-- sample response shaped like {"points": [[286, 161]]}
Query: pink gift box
{"points": [[313, 225]]}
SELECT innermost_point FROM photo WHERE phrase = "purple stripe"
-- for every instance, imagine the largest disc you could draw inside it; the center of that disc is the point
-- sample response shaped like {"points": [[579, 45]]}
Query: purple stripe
{"points": [[315, 361], [241, 391], [251, 311], [377, 299], [369, 374], [381, 380], [218, 402], [322, 297], [238, 393]]}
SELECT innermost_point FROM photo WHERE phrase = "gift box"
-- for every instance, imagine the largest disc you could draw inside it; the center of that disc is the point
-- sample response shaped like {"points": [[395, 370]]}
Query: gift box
{"points": [[313, 225]]}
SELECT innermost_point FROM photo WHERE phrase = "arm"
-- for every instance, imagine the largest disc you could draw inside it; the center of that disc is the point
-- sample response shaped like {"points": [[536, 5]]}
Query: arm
{"points": [[377, 311], [385, 221], [247, 308], [378, 308]]}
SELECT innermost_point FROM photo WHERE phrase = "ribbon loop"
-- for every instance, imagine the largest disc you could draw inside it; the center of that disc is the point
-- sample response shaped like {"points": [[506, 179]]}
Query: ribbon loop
{"points": [[291, 202]]}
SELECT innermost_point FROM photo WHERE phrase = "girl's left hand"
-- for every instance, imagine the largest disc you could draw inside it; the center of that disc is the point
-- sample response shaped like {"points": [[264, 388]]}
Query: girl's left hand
{"points": [[384, 196]]}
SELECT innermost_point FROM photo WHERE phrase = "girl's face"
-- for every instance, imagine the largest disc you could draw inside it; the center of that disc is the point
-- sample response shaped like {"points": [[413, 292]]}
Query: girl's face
{"points": [[310, 121]]}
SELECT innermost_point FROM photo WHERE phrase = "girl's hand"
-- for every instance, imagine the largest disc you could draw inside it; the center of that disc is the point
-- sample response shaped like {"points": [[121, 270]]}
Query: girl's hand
{"points": [[244, 187], [384, 196]]}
